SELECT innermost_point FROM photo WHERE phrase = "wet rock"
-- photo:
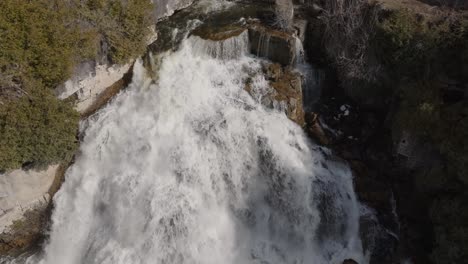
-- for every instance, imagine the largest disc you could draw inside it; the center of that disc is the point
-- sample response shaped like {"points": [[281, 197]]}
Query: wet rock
{"points": [[287, 86], [165, 8], [275, 45], [24, 199], [300, 26], [285, 93], [23, 233], [315, 128], [219, 33]]}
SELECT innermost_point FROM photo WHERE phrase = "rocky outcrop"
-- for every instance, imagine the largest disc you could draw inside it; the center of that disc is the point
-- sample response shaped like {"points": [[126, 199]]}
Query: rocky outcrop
{"points": [[165, 8], [24, 198], [89, 81], [275, 45], [219, 33], [285, 93]]}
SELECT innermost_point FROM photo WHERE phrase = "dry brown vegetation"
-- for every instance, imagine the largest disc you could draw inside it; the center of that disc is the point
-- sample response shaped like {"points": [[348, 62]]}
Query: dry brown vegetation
{"points": [[284, 10], [349, 28]]}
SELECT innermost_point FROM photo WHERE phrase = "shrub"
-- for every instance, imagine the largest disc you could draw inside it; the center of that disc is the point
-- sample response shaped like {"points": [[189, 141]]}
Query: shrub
{"points": [[124, 25], [349, 29], [284, 10], [405, 43], [36, 128], [44, 39], [40, 42], [35, 40], [416, 47]]}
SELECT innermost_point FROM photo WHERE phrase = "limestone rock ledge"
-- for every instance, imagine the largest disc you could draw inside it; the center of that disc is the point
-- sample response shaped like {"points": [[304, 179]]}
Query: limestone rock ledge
{"points": [[24, 198], [89, 81]]}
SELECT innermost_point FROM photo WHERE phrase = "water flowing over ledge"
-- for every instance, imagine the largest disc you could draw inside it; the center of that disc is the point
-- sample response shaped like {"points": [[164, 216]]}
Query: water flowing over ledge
{"points": [[189, 167]]}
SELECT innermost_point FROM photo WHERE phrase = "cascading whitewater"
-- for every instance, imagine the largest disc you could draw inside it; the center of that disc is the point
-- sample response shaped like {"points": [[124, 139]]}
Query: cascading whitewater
{"points": [[231, 48], [192, 169]]}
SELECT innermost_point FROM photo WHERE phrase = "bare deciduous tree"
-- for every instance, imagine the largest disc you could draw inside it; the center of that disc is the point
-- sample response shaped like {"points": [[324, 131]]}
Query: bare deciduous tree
{"points": [[284, 10], [349, 27]]}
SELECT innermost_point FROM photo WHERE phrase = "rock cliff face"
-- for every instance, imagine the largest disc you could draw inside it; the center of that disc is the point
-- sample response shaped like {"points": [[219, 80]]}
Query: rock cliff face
{"points": [[24, 198], [89, 81], [403, 175]]}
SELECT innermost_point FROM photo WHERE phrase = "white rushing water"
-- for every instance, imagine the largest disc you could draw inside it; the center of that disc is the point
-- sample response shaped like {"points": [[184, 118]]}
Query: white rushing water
{"points": [[192, 169]]}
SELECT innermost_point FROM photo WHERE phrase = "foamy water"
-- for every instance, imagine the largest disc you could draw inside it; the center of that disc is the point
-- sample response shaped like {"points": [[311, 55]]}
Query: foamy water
{"points": [[192, 169]]}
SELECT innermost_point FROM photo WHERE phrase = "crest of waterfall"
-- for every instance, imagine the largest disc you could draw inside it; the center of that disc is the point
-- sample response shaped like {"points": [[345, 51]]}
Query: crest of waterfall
{"points": [[190, 168], [231, 48], [214, 5]]}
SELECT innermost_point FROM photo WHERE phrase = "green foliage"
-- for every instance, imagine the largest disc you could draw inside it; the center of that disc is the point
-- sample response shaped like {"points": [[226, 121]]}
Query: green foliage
{"points": [[422, 112], [405, 42], [420, 52], [44, 39], [40, 43], [452, 58], [413, 46], [35, 41], [17, 224], [124, 25], [37, 128], [38, 48]]}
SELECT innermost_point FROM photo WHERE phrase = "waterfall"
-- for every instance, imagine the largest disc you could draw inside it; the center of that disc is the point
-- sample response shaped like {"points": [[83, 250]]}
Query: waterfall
{"points": [[231, 48], [190, 168], [313, 84], [300, 53], [263, 45]]}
